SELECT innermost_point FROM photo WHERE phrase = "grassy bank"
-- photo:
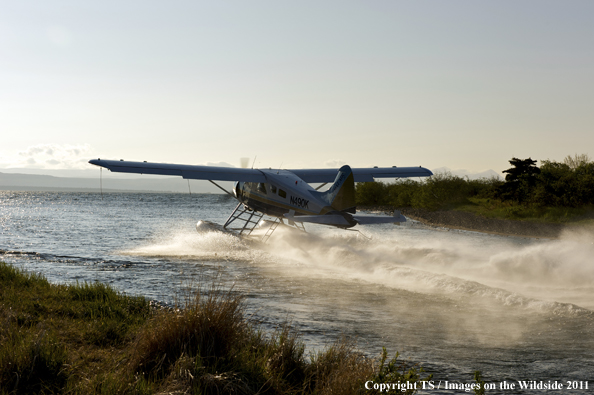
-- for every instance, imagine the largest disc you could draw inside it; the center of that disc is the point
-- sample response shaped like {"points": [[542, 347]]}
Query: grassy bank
{"points": [[493, 208], [89, 339], [556, 194]]}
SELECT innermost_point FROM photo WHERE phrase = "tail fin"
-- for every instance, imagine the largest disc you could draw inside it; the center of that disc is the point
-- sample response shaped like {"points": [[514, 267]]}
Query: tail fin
{"points": [[341, 195]]}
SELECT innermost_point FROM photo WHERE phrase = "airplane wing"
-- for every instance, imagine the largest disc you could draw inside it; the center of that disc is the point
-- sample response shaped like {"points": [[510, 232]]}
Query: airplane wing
{"points": [[185, 171], [362, 174], [254, 175]]}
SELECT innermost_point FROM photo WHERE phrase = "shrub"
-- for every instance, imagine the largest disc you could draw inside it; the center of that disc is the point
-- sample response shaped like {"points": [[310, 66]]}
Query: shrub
{"points": [[402, 192], [339, 369], [371, 193]]}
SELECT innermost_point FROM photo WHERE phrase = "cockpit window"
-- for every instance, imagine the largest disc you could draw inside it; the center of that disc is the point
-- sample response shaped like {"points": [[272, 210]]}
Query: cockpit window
{"points": [[272, 189], [262, 188]]}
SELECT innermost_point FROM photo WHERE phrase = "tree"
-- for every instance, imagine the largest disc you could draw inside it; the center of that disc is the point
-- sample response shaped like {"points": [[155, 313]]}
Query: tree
{"points": [[520, 180], [562, 185], [576, 161]]}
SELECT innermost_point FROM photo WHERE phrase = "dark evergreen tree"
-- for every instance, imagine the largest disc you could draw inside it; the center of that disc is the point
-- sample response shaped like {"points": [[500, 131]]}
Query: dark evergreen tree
{"points": [[520, 180]]}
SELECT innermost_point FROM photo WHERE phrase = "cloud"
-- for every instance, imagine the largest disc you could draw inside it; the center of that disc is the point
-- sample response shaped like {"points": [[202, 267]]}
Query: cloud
{"points": [[334, 163], [50, 156]]}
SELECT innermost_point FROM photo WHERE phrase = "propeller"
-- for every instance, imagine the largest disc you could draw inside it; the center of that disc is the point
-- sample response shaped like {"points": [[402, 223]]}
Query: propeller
{"points": [[245, 162]]}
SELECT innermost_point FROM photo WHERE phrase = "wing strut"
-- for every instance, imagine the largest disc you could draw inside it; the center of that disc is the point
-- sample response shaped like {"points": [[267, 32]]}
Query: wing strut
{"points": [[220, 187]]}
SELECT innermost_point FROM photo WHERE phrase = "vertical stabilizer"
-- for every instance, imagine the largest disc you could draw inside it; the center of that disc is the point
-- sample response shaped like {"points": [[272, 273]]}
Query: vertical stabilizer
{"points": [[341, 195]]}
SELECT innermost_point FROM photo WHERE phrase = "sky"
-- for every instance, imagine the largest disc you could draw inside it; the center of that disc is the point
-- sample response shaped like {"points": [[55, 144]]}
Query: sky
{"points": [[461, 84]]}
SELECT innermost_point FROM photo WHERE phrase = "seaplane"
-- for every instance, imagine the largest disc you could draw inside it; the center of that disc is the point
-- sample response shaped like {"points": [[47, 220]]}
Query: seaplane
{"points": [[285, 195]]}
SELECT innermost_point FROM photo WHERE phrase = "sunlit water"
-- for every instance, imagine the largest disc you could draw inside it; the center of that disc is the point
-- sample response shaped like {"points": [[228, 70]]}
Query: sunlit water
{"points": [[453, 301]]}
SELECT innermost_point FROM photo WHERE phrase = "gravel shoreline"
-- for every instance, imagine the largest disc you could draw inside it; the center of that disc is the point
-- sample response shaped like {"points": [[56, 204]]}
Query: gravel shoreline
{"points": [[468, 221]]}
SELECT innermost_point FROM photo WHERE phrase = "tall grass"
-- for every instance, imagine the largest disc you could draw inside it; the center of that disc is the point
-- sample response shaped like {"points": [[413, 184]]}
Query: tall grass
{"points": [[208, 345], [52, 337], [31, 362], [88, 339]]}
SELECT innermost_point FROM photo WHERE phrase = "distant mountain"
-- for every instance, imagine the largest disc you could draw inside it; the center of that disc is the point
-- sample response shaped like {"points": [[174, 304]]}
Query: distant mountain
{"points": [[465, 173], [91, 172], [37, 182]]}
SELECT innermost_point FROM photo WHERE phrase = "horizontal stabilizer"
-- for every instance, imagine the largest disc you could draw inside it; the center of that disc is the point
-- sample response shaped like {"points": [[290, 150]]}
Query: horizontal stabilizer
{"points": [[328, 219], [342, 220]]}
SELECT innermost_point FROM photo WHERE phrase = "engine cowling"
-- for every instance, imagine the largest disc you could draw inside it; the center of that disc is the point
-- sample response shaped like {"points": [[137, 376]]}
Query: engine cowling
{"points": [[238, 190]]}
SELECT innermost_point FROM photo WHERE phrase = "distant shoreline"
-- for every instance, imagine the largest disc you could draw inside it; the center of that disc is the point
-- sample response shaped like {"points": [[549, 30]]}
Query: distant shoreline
{"points": [[87, 190], [142, 184]]}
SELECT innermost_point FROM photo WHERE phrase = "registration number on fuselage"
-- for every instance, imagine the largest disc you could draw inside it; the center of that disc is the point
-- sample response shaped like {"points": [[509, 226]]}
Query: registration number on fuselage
{"points": [[299, 202]]}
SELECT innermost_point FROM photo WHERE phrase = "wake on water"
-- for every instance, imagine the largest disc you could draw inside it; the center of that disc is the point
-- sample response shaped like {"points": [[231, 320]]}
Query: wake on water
{"points": [[552, 275]]}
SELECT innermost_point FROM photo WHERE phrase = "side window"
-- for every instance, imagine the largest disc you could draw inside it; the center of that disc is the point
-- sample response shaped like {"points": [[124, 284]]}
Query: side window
{"points": [[262, 188], [272, 189], [282, 193]]}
